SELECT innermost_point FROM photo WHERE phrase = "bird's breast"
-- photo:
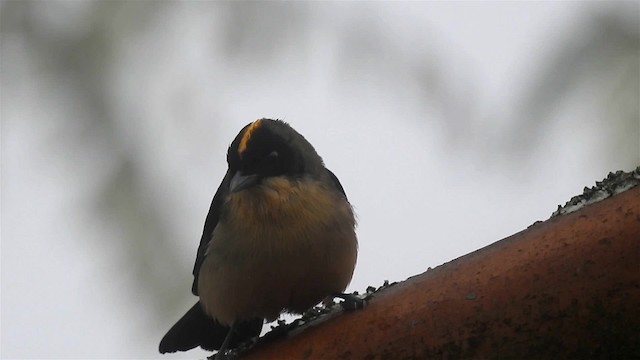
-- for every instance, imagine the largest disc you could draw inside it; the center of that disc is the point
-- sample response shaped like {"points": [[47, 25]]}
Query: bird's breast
{"points": [[284, 244]]}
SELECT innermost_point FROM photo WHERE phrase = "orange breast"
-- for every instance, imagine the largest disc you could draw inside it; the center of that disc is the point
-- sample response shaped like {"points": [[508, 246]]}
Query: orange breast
{"points": [[284, 245]]}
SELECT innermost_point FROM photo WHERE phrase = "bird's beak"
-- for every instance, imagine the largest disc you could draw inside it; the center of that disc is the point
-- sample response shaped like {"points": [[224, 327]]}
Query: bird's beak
{"points": [[240, 182]]}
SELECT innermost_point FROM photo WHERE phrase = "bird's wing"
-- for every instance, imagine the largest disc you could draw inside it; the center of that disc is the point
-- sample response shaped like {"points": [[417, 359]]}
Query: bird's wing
{"points": [[336, 182], [210, 223]]}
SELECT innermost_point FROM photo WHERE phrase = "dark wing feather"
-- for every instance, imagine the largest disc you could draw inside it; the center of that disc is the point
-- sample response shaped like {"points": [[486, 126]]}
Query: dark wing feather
{"points": [[336, 182], [210, 223]]}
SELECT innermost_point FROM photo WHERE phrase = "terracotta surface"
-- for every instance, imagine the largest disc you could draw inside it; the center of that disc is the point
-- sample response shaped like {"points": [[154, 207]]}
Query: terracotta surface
{"points": [[565, 288]]}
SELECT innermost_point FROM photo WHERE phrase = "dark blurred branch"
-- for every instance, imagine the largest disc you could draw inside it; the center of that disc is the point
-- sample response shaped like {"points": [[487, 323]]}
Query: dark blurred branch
{"points": [[78, 64], [603, 53]]}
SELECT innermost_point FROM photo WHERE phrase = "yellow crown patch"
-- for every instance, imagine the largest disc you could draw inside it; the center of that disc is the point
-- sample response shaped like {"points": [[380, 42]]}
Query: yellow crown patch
{"points": [[245, 137]]}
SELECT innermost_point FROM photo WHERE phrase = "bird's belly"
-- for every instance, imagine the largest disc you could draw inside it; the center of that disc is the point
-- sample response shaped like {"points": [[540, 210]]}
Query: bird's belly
{"points": [[268, 262]]}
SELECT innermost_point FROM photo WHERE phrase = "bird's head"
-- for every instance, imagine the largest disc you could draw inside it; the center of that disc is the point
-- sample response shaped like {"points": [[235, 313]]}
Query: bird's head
{"points": [[266, 149]]}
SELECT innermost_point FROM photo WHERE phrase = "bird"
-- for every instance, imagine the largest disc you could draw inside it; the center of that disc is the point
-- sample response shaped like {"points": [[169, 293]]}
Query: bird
{"points": [[279, 237]]}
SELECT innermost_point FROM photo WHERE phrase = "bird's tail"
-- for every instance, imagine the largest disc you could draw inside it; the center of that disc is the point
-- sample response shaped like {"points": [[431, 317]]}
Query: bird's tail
{"points": [[196, 328]]}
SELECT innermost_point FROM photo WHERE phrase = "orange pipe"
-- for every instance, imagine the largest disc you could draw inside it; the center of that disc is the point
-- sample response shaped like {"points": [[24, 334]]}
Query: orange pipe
{"points": [[568, 287]]}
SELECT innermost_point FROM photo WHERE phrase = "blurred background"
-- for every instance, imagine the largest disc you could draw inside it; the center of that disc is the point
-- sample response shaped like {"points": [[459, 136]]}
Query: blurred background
{"points": [[450, 125]]}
